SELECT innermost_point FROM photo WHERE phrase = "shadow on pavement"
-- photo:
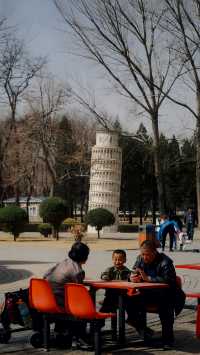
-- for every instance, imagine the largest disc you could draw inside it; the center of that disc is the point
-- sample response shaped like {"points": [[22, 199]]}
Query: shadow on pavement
{"points": [[186, 343], [21, 262], [8, 275]]}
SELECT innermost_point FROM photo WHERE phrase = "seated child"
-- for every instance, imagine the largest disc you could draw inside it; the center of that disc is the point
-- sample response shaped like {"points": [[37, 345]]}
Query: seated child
{"points": [[110, 303], [116, 272]]}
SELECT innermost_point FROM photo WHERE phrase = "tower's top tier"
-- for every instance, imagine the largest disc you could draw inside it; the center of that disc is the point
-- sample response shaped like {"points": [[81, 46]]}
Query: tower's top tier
{"points": [[107, 138]]}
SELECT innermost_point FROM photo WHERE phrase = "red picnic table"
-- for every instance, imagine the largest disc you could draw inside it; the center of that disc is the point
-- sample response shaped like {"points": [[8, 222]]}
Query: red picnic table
{"points": [[189, 266], [132, 289]]}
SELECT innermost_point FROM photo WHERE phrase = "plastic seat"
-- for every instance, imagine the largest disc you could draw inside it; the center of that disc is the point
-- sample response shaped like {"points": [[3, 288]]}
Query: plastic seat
{"points": [[79, 303], [42, 299]]}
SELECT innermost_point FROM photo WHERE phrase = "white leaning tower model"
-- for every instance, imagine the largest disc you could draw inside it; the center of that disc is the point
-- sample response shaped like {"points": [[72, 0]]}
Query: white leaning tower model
{"points": [[105, 175]]}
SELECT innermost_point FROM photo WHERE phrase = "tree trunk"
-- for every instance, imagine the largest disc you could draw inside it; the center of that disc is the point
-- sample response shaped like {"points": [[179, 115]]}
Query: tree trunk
{"points": [[198, 160], [1, 188], [154, 195], [17, 195], [141, 214], [52, 190], [82, 209], [27, 205], [54, 232], [98, 231], [141, 199], [17, 157], [157, 166], [57, 234]]}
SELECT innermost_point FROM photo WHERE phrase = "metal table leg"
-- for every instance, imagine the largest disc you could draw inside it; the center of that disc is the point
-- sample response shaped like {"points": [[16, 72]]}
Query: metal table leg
{"points": [[121, 319]]}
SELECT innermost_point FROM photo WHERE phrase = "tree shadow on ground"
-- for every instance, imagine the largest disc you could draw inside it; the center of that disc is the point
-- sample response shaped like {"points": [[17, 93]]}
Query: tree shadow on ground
{"points": [[8, 275], [21, 262]]}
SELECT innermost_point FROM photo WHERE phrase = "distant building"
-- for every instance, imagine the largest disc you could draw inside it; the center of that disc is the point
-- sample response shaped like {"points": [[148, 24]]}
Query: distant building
{"points": [[33, 206], [105, 174]]}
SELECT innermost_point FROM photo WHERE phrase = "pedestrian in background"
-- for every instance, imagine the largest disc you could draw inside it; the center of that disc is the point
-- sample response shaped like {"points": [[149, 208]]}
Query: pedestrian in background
{"points": [[168, 227], [189, 220]]}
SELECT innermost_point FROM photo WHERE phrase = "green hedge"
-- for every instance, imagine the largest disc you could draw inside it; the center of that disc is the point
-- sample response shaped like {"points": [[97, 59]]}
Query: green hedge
{"points": [[31, 227], [65, 227], [123, 228], [13, 220], [45, 229], [68, 223], [128, 228]]}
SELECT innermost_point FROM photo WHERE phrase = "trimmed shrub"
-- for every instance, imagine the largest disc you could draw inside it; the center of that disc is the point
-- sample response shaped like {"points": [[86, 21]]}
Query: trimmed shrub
{"points": [[128, 228], [31, 227], [67, 228], [54, 210], [45, 229], [13, 220], [99, 218], [69, 222], [78, 231]]}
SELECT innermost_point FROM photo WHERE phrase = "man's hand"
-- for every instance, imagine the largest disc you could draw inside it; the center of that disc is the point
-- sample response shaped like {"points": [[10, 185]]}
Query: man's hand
{"points": [[135, 276], [143, 275]]}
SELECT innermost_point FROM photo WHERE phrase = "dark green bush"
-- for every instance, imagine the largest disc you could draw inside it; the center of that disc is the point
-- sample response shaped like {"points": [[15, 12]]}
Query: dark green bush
{"points": [[128, 228], [99, 218], [13, 220], [54, 210], [31, 227], [66, 227], [45, 229], [69, 222]]}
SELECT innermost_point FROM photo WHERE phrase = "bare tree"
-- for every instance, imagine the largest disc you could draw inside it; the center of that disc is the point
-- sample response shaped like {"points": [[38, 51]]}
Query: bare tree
{"points": [[182, 22], [4, 129], [21, 173], [5, 30], [16, 73], [84, 136], [124, 37], [48, 98]]}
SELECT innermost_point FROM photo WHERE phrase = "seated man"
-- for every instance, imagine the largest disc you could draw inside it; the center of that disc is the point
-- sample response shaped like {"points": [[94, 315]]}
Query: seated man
{"points": [[152, 266]]}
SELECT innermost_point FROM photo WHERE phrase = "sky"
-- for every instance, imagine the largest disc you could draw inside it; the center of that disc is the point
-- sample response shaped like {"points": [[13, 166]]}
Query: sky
{"points": [[40, 25]]}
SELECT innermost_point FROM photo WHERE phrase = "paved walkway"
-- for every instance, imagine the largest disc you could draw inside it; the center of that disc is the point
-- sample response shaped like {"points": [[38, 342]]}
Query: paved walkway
{"points": [[32, 255], [186, 342]]}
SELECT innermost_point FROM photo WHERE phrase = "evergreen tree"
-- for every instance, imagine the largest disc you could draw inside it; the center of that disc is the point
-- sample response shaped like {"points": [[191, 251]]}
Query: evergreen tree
{"points": [[188, 173], [99, 218], [54, 210], [171, 169], [65, 149], [136, 187]]}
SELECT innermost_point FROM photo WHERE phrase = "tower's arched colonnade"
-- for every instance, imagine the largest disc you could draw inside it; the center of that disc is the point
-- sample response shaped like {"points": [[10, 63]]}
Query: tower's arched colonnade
{"points": [[105, 174]]}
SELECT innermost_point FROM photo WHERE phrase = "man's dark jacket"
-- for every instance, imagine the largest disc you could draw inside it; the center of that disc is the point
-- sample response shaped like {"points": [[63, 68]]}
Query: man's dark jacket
{"points": [[162, 270]]}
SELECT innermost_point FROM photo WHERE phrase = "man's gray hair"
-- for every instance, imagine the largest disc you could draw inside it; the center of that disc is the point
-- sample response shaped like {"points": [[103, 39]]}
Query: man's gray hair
{"points": [[148, 244]]}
